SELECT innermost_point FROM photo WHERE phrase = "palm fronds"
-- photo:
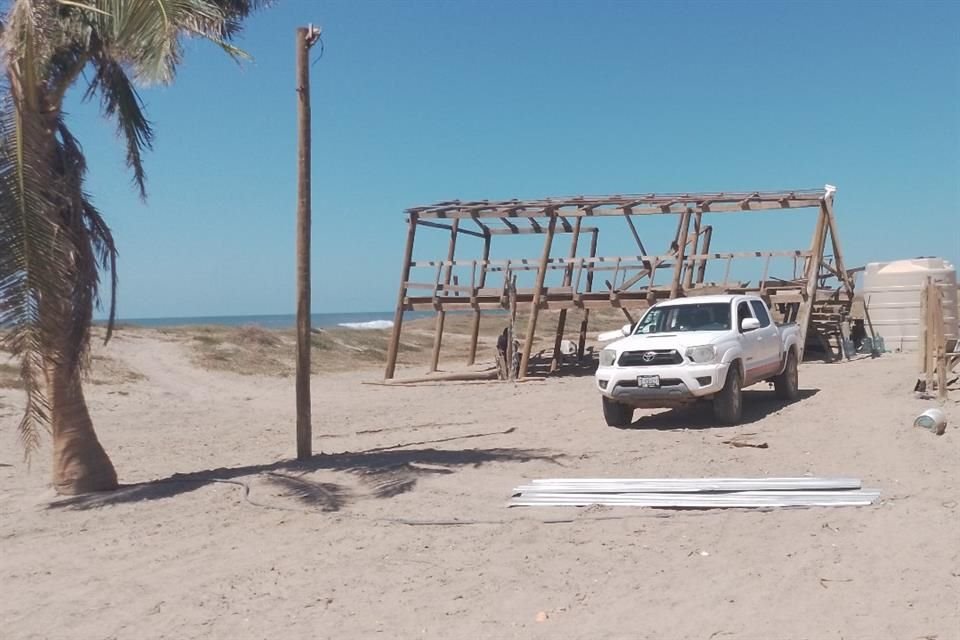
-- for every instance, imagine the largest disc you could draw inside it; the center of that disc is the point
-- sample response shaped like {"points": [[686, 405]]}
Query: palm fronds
{"points": [[54, 243], [35, 262], [120, 101]]}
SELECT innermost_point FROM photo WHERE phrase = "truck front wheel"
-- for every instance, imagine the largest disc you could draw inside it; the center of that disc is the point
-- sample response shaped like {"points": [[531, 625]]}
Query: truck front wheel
{"points": [[616, 414], [728, 403]]}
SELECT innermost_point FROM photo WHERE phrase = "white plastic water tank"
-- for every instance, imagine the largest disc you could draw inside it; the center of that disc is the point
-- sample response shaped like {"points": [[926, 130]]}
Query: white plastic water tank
{"points": [[892, 290]]}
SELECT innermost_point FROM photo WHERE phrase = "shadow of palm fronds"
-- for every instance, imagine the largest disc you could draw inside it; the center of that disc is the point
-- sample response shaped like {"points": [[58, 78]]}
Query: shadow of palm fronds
{"points": [[327, 496], [389, 473], [387, 482]]}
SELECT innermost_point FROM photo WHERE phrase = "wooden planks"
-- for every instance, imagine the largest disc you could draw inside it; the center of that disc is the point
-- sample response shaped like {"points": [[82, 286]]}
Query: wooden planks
{"points": [[619, 205], [686, 262], [935, 361]]}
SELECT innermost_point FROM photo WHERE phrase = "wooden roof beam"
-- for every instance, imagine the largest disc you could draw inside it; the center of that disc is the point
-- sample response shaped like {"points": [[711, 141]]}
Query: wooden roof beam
{"points": [[446, 227], [513, 228]]}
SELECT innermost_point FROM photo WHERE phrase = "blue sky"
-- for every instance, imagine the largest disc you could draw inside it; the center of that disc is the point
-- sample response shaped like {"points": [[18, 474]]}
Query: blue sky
{"points": [[419, 102]]}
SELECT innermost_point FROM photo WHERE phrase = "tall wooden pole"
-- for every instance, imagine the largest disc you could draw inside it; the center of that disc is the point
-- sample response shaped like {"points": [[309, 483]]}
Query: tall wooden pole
{"points": [[582, 344], [812, 276], [475, 328], [675, 285], [394, 347], [705, 249], [306, 36], [567, 278], [688, 272], [538, 290], [845, 279], [441, 314]]}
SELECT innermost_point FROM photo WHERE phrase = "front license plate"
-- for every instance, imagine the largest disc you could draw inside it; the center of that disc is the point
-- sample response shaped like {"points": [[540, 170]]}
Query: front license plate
{"points": [[648, 382]]}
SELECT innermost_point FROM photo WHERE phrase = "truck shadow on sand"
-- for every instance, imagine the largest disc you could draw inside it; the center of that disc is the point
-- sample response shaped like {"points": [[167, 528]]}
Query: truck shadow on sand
{"points": [[382, 473], [757, 405]]}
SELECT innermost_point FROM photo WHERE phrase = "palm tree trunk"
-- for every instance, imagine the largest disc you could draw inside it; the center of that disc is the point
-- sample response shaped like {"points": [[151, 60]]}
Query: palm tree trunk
{"points": [[80, 464]]}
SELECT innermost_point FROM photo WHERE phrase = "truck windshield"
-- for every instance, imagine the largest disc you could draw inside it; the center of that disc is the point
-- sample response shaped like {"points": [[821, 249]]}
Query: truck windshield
{"points": [[712, 316]]}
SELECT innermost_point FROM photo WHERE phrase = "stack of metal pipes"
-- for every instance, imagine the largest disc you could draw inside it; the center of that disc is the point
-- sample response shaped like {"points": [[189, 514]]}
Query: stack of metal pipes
{"points": [[695, 493]]}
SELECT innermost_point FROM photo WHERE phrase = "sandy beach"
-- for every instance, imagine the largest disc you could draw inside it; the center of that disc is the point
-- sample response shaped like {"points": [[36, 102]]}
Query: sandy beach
{"points": [[400, 528]]}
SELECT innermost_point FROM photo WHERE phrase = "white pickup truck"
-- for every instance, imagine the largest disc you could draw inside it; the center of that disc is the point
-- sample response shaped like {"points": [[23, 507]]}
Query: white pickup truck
{"points": [[698, 348]]}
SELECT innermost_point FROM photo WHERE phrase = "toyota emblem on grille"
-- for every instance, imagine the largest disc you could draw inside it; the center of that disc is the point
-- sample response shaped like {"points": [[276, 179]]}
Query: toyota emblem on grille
{"points": [[648, 356]]}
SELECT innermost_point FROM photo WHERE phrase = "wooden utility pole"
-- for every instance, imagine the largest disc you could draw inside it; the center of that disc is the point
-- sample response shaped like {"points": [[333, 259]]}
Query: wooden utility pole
{"points": [[306, 37]]}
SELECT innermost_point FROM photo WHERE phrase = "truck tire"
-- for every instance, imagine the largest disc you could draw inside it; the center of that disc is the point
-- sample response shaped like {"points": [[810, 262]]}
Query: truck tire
{"points": [[785, 385], [616, 414], [728, 403]]}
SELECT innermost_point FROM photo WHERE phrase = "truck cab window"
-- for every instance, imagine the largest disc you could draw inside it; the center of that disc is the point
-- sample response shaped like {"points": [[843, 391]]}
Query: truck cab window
{"points": [[760, 311], [743, 312]]}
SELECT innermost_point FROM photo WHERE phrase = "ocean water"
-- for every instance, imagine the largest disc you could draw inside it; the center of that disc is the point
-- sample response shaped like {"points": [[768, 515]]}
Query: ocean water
{"points": [[363, 320]]}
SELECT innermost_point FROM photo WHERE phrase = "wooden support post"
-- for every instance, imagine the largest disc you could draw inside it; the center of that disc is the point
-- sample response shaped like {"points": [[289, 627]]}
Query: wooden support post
{"points": [[633, 230], [512, 372], [613, 285], [475, 327], [933, 344], [681, 251], [582, 343], [763, 278], [926, 339], [812, 276], [688, 274], [702, 268], [845, 277], [567, 280], [305, 38], [537, 292], [651, 295], [393, 347], [441, 314], [940, 343]]}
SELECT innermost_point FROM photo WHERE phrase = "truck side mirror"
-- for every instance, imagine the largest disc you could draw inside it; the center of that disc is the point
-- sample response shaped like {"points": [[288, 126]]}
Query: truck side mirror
{"points": [[627, 329], [749, 324]]}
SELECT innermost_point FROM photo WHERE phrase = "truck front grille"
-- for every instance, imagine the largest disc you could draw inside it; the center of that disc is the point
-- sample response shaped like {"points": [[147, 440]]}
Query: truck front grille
{"points": [[660, 357]]}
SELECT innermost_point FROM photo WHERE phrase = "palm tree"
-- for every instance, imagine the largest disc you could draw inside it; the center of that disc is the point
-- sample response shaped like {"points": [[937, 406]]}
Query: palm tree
{"points": [[54, 243]]}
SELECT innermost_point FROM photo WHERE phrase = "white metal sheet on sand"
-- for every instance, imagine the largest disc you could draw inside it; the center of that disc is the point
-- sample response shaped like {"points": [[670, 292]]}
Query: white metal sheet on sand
{"points": [[656, 485], [743, 499]]}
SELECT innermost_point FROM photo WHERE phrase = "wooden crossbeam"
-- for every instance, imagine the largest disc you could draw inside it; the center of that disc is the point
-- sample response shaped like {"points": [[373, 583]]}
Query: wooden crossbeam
{"points": [[450, 229], [800, 253], [520, 231], [580, 206]]}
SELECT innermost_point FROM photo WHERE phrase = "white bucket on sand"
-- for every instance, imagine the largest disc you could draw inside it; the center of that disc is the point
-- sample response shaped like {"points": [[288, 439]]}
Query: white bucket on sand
{"points": [[933, 419]]}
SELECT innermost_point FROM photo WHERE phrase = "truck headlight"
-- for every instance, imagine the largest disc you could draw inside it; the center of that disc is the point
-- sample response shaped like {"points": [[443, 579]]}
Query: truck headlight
{"points": [[702, 355], [608, 357]]}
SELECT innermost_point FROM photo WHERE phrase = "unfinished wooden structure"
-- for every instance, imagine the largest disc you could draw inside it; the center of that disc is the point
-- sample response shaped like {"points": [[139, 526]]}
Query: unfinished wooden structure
{"points": [[939, 357], [816, 295]]}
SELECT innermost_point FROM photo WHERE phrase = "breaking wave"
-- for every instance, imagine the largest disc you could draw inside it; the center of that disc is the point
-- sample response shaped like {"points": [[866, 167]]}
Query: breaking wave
{"points": [[373, 324]]}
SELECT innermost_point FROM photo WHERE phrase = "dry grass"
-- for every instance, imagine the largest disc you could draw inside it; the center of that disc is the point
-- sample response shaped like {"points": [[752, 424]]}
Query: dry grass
{"points": [[254, 350], [103, 370], [248, 350]]}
